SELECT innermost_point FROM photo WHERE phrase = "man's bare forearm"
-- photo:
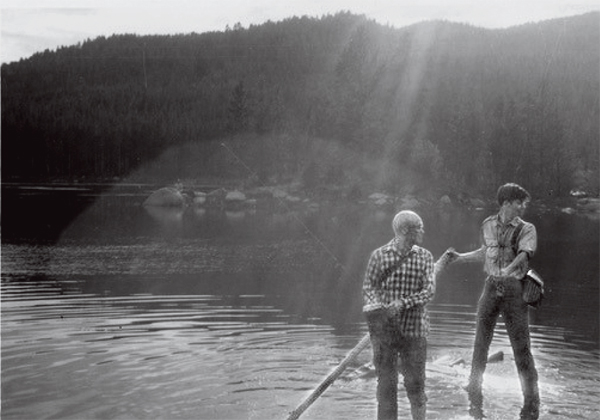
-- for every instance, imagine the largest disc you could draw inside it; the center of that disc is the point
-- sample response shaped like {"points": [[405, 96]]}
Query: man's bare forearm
{"points": [[468, 257]]}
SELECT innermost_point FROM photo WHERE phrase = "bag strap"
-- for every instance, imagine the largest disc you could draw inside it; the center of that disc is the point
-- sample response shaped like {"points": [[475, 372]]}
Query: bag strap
{"points": [[388, 271]]}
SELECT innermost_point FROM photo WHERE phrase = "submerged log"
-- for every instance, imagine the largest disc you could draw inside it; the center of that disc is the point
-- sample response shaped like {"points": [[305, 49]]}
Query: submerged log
{"points": [[443, 366]]}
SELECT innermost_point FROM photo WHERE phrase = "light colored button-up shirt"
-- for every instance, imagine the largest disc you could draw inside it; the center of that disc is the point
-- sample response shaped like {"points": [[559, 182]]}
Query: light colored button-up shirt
{"points": [[499, 251]]}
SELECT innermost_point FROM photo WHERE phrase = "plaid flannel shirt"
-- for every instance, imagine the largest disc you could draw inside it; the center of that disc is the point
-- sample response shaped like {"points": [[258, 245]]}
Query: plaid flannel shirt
{"points": [[391, 276]]}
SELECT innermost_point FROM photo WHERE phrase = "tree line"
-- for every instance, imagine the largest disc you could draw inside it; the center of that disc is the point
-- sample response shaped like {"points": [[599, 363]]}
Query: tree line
{"points": [[338, 99]]}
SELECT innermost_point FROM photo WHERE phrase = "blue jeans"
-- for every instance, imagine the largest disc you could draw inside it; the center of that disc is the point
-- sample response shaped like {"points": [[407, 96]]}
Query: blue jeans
{"points": [[388, 346], [503, 296]]}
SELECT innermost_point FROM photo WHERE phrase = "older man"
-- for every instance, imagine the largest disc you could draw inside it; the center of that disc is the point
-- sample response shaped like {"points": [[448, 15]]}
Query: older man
{"points": [[399, 282]]}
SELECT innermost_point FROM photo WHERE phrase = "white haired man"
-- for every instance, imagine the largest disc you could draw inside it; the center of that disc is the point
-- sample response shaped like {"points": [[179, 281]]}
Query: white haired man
{"points": [[398, 283]]}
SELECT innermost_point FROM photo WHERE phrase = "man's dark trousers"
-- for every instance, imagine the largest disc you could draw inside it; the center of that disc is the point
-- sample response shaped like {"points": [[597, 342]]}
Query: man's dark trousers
{"points": [[388, 346], [503, 296]]}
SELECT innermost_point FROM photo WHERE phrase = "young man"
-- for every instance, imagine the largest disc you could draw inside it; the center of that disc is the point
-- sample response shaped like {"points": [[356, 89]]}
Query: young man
{"points": [[508, 243], [399, 282]]}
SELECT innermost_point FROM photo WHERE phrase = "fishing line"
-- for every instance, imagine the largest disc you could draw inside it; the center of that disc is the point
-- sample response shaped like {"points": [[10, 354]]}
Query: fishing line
{"points": [[283, 203]]}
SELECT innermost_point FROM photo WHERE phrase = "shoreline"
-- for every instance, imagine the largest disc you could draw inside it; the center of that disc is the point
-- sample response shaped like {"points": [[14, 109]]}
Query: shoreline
{"points": [[294, 194]]}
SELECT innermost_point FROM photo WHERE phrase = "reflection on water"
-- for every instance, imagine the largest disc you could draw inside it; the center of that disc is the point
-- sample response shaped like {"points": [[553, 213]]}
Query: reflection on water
{"points": [[70, 353], [168, 217], [132, 313]]}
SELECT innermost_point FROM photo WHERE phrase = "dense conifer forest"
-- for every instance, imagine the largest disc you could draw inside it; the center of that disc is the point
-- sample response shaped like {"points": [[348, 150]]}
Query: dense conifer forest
{"points": [[337, 100]]}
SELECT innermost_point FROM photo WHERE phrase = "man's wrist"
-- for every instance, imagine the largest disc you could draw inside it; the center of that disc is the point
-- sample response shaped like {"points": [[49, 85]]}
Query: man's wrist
{"points": [[372, 307]]}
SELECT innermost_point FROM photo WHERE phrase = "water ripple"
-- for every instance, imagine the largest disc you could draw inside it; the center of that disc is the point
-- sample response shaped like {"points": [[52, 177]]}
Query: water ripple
{"points": [[202, 356]]}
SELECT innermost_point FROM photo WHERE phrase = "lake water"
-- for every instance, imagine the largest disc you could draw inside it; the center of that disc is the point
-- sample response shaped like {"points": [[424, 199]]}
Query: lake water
{"points": [[114, 311]]}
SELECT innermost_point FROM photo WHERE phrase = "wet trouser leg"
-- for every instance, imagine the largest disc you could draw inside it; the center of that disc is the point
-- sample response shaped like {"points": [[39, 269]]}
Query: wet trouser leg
{"points": [[487, 314], [516, 318], [385, 359], [413, 354]]}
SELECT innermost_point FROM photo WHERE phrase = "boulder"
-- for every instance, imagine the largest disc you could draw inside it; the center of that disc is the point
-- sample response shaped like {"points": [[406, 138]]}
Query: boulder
{"points": [[216, 197], [199, 198], [378, 196], [380, 199], [277, 193], [445, 201], [165, 197], [477, 203], [578, 193], [235, 196], [409, 203], [293, 199]]}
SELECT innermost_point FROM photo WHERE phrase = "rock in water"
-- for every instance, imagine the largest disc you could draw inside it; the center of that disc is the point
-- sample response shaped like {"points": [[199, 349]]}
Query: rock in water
{"points": [[496, 357], [235, 196], [165, 197]]}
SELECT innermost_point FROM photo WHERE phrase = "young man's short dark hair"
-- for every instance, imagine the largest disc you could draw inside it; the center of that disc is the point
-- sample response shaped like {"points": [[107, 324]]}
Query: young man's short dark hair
{"points": [[511, 192]]}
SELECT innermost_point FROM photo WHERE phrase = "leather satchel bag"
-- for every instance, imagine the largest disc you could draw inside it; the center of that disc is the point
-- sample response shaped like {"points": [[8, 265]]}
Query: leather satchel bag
{"points": [[533, 288], [533, 284], [377, 321]]}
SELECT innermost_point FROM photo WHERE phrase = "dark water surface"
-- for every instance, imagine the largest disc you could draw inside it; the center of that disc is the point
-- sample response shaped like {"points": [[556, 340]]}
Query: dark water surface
{"points": [[114, 311]]}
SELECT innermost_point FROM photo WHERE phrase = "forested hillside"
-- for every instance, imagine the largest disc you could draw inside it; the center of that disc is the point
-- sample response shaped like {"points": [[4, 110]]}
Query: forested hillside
{"points": [[337, 100]]}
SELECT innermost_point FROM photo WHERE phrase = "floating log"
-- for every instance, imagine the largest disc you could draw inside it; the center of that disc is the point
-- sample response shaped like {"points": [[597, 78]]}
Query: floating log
{"points": [[294, 415]]}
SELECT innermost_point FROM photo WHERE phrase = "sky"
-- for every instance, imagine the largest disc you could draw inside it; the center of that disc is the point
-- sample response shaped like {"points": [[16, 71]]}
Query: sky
{"points": [[30, 26]]}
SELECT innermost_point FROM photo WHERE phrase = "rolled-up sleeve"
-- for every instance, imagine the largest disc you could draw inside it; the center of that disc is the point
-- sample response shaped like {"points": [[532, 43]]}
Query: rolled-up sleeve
{"points": [[528, 240]]}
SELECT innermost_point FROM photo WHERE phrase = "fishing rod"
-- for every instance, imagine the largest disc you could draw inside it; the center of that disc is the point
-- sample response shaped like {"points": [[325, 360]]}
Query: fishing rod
{"points": [[282, 202], [351, 356], [439, 265], [306, 228]]}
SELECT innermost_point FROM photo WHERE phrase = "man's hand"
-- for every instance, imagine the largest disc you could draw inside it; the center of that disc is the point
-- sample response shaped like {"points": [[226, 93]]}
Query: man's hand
{"points": [[446, 259], [450, 255], [395, 307], [508, 272]]}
